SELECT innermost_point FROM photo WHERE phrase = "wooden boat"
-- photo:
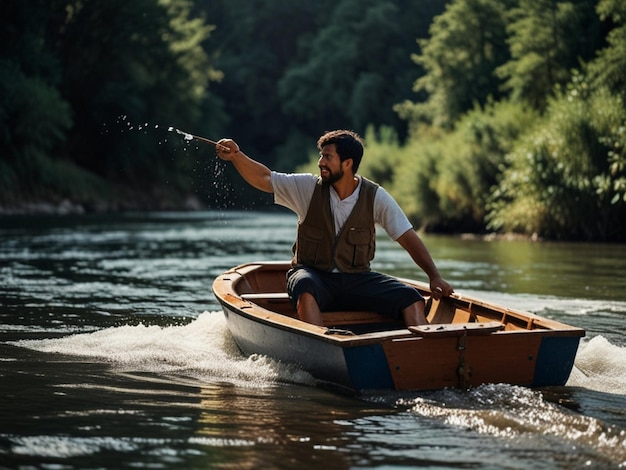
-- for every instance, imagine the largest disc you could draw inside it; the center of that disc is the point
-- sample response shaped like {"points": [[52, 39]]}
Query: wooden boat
{"points": [[467, 342]]}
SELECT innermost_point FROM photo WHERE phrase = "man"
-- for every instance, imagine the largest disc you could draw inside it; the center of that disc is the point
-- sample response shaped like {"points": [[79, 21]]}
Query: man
{"points": [[337, 213]]}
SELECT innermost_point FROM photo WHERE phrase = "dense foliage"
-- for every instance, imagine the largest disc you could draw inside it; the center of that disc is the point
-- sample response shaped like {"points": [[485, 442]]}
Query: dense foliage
{"points": [[548, 157], [480, 115], [78, 76]]}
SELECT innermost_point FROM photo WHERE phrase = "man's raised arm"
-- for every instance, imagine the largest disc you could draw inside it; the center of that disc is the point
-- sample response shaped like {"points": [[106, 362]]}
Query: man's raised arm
{"points": [[255, 173]]}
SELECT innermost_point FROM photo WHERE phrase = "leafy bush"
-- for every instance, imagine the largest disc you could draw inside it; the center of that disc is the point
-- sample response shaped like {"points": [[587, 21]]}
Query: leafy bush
{"points": [[566, 178], [447, 177]]}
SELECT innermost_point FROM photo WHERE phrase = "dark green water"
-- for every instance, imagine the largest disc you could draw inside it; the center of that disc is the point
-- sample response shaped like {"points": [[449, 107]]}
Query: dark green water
{"points": [[113, 354]]}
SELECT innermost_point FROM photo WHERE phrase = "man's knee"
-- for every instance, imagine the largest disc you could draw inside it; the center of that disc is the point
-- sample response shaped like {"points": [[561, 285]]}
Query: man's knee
{"points": [[414, 314]]}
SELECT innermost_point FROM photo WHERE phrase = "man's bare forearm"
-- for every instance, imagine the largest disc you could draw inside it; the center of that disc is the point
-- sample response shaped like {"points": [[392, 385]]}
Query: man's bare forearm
{"points": [[255, 173]]}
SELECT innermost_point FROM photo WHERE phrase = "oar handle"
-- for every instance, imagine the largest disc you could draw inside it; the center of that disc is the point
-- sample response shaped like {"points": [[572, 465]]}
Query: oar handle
{"points": [[208, 141]]}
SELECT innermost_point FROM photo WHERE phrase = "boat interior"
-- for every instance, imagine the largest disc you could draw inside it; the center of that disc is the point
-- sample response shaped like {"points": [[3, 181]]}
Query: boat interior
{"points": [[265, 286]]}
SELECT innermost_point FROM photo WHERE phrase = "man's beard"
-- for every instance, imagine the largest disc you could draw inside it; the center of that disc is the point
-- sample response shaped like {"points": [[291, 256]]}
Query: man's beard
{"points": [[332, 178]]}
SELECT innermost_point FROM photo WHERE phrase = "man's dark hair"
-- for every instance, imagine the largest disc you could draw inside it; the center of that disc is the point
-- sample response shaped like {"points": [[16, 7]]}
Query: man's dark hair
{"points": [[348, 144]]}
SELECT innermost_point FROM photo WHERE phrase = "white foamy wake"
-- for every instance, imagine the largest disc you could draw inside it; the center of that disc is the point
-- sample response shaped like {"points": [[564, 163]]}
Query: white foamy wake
{"points": [[205, 349], [522, 415], [600, 366], [202, 349]]}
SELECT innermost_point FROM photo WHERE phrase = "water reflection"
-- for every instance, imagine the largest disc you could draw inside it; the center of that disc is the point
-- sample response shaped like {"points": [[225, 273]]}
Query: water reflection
{"points": [[577, 270], [276, 426]]}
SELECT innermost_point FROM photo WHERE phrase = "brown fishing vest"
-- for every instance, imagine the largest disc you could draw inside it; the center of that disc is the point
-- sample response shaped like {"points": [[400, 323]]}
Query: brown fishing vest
{"points": [[353, 248]]}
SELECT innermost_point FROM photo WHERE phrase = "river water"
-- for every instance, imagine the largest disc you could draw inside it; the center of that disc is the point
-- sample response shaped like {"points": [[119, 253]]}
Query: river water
{"points": [[114, 354]]}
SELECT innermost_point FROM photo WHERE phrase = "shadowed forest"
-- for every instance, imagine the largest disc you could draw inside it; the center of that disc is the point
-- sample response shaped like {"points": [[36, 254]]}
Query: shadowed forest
{"points": [[505, 116]]}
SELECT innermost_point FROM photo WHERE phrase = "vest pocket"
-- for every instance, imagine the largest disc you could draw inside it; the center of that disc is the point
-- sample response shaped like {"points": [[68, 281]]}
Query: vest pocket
{"points": [[308, 246], [359, 239]]}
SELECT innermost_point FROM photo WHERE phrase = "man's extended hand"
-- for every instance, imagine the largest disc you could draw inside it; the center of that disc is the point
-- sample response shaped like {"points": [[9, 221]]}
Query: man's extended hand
{"points": [[226, 149]]}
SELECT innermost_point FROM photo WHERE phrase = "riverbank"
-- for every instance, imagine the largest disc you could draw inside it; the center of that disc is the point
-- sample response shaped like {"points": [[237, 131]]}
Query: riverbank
{"points": [[178, 203], [66, 206]]}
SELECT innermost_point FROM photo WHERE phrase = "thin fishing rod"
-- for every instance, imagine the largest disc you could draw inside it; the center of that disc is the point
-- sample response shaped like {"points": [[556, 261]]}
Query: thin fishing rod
{"points": [[189, 136]]}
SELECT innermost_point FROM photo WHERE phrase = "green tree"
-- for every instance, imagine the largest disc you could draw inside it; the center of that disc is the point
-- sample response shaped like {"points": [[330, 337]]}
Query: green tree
{"points": [[71, 68], [609, 67], [257, 42], [150, 67], [547, 39], [608, 72], [356, 68], [467, 43], [34, 117]]}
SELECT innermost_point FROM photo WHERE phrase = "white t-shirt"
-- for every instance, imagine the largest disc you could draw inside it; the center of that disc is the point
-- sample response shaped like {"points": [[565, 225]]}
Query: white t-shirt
{"points": [[294, 191]]}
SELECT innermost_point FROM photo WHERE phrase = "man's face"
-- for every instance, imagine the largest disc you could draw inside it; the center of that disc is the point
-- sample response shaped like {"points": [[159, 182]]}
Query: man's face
{"points": [[330, 166]]}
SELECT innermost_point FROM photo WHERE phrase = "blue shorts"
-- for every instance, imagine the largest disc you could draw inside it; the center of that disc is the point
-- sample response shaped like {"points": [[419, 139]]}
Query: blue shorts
{"points": [[336, 291]]}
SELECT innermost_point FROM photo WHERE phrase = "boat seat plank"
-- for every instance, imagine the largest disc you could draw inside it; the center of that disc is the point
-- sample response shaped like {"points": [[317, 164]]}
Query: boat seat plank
{"points": [[457, 329], [266, 296]]}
